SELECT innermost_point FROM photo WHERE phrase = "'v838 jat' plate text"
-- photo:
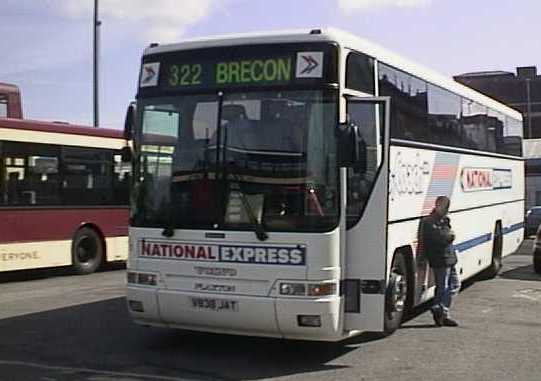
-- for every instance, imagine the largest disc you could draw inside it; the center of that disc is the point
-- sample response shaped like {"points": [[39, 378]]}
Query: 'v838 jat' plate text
{"points": [[211, 304]]}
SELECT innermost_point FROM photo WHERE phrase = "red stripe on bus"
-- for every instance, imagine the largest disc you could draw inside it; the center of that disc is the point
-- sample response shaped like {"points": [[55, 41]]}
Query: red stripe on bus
{"points": [[20, 225]]}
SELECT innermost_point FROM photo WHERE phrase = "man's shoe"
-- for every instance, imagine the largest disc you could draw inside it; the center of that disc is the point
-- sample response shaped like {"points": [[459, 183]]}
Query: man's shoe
{"points": [[438, 317], [448, 322]]}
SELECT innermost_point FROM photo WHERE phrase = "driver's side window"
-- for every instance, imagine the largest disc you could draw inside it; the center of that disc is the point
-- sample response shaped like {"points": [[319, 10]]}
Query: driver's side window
{"points": [[362, 175]]}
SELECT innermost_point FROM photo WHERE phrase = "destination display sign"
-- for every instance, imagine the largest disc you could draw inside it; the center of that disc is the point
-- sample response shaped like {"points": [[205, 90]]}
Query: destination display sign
{"points": [[247, 71], [235, 67]]}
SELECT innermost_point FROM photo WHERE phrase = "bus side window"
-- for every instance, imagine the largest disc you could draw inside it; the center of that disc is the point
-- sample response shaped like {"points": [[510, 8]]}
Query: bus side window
{"points": [[13, 180], [361, 180], [12, 188], [360, 73], [121, 180]]}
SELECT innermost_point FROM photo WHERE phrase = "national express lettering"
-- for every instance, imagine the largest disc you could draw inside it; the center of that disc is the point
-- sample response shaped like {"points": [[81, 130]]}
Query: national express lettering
{"points": [[177, 251], [265, 255]]}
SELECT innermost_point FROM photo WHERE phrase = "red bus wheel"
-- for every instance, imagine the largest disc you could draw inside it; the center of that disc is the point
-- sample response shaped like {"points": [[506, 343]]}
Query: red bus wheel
{"points": [[86, 251]]}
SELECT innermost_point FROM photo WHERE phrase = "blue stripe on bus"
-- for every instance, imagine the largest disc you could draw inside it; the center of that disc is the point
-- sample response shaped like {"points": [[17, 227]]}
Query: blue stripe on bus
{"points": [[466, 245], [513, 228]]}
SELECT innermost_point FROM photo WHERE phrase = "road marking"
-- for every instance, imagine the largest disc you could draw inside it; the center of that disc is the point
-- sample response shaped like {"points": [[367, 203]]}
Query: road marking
{"points": [[529, 293], [116, 375]]}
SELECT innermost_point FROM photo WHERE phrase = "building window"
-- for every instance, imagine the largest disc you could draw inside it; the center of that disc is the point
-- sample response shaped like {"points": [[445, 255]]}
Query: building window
{"points": [[3, 107]]}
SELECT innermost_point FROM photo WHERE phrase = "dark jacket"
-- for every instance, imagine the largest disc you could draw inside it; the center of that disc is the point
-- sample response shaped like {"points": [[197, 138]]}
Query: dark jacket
{"points": [[437, 238]]}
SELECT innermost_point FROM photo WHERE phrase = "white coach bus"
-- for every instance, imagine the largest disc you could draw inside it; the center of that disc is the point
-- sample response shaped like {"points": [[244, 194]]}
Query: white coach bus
{"points": [[281, 180]]}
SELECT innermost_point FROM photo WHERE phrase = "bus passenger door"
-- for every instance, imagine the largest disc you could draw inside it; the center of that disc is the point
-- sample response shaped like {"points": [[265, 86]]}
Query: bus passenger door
{"points": [[364, 220]]}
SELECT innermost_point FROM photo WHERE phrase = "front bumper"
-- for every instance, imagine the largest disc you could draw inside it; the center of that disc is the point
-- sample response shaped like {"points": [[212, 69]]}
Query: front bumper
{"points": [[254, 315]]}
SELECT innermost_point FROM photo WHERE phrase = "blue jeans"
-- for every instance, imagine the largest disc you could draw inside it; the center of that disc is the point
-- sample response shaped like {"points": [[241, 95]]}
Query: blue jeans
{"points": [[454, 281], [442, 298]]}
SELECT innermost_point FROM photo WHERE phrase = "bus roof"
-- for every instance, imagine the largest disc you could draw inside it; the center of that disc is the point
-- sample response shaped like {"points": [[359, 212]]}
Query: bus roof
{"points": [[30, 131], [346, 40], [60, 128]]}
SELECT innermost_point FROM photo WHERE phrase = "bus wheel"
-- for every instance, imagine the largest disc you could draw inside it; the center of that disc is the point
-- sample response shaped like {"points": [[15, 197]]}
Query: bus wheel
{"points": [[497, 246], [396, 295], [86, 251]]}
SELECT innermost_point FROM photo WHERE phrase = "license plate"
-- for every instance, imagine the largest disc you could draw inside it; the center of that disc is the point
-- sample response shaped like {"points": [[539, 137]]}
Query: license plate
{"points": [[210, 304]]}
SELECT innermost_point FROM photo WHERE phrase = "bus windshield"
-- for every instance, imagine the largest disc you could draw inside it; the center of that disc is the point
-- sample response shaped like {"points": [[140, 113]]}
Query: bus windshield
{"points": [[224, 161]]}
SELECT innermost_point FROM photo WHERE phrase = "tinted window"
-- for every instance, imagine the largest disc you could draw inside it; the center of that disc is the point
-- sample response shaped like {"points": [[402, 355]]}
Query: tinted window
{"points": [[39, 174], [30, 175], [495, 129], [87, 176], [121, 180], [512, 137], [361, 178], [444, 125], [474, 122], [360, 73], [427, 113], [408, 104]]}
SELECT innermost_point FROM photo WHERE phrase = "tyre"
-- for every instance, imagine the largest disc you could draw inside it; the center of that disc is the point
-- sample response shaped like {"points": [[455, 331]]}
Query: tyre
{"points": [[396, 295], [497, 245], [537, 261], [87, 251]]}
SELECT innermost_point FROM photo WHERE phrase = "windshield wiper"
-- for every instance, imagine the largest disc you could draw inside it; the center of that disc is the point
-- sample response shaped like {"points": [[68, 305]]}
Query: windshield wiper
{"points": [[259, 230], [169, 229], [229, 168]]}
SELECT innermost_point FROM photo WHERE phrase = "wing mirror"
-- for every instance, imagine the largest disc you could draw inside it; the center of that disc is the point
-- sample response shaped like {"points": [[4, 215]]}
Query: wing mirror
{"points": [[129, 122], [351, 147], [126, 151]]}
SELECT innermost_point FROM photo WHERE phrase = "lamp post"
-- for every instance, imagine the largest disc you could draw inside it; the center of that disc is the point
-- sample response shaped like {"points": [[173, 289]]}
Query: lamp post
{"points": [[96, 39], [529, 108]]}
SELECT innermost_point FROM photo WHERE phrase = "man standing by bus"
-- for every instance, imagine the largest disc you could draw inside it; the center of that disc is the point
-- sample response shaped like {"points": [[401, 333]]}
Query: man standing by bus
{"points": [[437, 238]]}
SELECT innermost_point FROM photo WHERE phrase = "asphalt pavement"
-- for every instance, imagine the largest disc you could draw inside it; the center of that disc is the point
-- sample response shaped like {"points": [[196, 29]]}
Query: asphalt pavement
{"points": [[62, 327]]}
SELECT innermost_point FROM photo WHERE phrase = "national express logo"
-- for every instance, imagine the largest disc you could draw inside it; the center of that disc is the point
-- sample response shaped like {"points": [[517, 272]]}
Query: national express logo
{"points": [[264, 255], [485, 179]]}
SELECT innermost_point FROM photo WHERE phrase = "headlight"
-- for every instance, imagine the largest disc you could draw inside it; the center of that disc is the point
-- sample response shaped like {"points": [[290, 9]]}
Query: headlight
{"points": [[147, 279], [297, 289], [307, 289]]}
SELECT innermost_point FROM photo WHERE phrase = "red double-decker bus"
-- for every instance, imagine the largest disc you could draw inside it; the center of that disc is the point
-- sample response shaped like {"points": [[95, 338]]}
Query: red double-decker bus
{"points": [[63, 193]]}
